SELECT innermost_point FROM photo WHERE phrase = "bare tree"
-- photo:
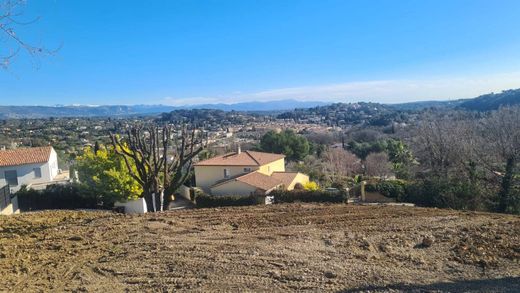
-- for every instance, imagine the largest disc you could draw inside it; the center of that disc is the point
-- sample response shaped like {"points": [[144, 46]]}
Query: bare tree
{"points": [[463, 146], [325, 138], [378, 164], [341, 163], [443, 143], [502, 132], [162, 159], [11, 12]]}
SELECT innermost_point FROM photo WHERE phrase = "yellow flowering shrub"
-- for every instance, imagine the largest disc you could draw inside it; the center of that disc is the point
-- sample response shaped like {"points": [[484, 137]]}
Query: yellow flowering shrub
{"points": [[106, 173], [311, 186]]}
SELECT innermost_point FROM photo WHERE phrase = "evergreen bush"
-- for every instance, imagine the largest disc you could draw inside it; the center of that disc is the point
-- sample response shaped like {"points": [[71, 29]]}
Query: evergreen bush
{"points": [[210, 201], [58, 196]]}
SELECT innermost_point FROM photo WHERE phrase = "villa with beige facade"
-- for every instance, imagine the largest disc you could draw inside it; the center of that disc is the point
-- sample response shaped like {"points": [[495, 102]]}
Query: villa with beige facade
{"points": [[246, 173]]}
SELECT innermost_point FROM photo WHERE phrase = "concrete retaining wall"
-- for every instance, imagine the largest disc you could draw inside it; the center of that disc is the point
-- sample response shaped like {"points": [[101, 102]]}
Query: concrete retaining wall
{"points": [[184, 191], [137, 206], [11, 208]]}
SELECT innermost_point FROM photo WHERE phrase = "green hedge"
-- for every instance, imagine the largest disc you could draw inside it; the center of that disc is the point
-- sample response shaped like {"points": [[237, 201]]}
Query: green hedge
{"points": [[69, 196], [445, 193], [282, 196], [390, 188], [210, 201]]}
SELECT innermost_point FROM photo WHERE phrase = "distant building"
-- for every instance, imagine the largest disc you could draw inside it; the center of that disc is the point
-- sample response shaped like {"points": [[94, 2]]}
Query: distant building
{"points": [[246, 173], [28, 166]]}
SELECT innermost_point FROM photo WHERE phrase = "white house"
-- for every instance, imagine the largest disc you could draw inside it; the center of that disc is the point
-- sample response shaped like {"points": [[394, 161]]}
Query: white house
{"points": [[28, 166]]}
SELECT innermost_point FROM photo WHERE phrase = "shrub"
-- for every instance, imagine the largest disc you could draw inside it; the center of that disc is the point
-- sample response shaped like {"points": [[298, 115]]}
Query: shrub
{"points": [[444, 193], [69, 196], [105, 173], [281, 196], [343, 182], [390, 188], [209, 201], [311, 186], [513, 201], [298, 186]]}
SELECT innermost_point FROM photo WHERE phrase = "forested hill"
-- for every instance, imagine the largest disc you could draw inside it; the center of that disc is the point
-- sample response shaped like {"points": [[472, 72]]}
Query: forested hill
{"points": [[485, 102], [339, 114], [492, 101], [413, 106], [376, 114]]}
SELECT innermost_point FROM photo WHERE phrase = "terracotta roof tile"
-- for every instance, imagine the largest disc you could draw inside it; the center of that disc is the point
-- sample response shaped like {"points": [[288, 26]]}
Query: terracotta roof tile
{"points": [[285, 177], [255, 179], [24, 156], [246, 158], [260, 180]]}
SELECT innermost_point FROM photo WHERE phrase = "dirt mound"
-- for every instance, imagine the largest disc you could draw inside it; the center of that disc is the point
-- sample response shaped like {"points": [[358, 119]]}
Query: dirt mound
{"points": [[262, 248]]}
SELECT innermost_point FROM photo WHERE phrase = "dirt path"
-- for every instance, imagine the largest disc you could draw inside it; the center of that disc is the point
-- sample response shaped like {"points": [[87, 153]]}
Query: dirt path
{"points": [[263, 248]]}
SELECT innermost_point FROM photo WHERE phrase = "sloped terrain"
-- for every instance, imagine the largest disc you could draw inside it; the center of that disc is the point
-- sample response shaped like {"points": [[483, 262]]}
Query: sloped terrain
{"points": [[493, 101], [285, 247]]}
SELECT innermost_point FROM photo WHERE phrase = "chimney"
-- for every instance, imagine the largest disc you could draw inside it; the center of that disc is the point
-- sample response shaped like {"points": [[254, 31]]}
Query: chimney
{"points": [[239, 150]]}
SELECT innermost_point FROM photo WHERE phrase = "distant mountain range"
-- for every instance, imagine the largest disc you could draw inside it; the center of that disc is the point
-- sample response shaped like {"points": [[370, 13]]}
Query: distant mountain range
{"points": [[482, 103], [278, 105], [7, 112]]}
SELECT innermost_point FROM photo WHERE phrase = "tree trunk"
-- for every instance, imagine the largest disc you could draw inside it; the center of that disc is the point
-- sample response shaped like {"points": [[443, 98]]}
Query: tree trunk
{"points": [[153, 203], [507, 181], [148, 199], [162, 199]]}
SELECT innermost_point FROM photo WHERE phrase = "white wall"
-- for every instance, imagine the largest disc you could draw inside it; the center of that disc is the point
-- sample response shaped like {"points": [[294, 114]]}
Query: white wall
{"points": [[53, 164], [26, 174]]}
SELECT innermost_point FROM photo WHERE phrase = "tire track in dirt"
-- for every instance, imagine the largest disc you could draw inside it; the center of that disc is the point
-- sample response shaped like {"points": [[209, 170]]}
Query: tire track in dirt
{"points": [[288, 247]]}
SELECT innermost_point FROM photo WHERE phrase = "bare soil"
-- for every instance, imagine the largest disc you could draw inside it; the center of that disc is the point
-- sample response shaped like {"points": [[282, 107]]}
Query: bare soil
{"points": [[289, 247]]}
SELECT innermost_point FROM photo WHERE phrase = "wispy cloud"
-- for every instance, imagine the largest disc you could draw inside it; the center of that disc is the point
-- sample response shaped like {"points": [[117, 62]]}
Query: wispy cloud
{"points": [[383, 91]]}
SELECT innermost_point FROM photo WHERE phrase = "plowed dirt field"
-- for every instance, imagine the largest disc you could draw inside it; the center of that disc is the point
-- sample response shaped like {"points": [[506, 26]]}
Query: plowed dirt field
{"points": [[287, 247]]}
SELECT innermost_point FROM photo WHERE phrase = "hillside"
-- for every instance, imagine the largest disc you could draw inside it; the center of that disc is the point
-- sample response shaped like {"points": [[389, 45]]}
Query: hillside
{"points": [[414, 106], [347, 114], [492, 101], [485, 102], [278, 248]]}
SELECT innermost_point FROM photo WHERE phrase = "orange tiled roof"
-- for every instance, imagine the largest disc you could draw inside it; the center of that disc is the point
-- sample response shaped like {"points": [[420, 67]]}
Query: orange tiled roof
{"points": [[285, 177], [24, 156], [246, 158], [255, 179]]}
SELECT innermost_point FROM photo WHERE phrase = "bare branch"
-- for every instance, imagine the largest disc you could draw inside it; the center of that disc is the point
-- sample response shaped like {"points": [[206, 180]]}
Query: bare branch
{"points": [[10, 11]]}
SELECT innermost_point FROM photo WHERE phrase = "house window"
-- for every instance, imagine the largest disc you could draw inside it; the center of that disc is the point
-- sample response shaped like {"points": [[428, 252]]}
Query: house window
{"points": [[37, 173], [226, 173], [247, 170], [11, 177]]}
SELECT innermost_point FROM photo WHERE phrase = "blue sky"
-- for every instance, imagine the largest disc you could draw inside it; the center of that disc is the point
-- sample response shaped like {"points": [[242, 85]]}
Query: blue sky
{"points": [[189, 52]]}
